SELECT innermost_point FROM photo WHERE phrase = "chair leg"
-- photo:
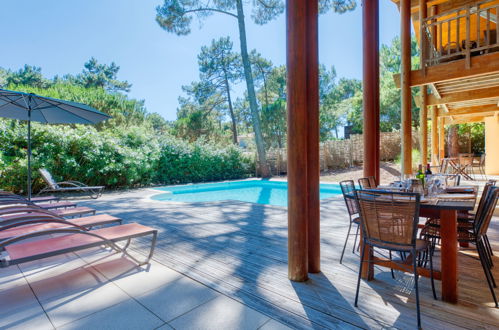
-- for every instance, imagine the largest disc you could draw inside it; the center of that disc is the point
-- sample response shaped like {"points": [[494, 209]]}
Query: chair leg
{"points": [[486, 270], [432, 279], [487, 244], [391, 269], [346, 241], [355, 239], [416, 286], [360, 273]]}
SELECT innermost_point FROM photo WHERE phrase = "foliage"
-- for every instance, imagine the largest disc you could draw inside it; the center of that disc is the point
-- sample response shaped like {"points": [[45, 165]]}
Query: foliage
{"points": [[473, 135], [182, 162], [102, 75]]}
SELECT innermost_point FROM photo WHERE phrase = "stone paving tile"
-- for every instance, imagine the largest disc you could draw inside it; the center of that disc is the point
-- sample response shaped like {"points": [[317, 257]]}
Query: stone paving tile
{"points": [[176, 298], [65, 280], [133, 279], [29, 316], [221, 313], [126, 315], [66, 309], [10, 276], [19, 307]]}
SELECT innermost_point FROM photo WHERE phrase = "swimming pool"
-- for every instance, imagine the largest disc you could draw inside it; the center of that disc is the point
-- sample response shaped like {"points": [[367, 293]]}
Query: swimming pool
{"points": [[253, 191]]}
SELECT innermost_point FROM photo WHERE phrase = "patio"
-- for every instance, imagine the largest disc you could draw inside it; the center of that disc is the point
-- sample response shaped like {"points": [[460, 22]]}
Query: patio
{"points": [[224, 265]]}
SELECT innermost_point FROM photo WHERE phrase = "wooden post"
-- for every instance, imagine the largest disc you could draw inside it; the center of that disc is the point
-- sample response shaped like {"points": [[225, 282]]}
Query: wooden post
{"points": [[434, 136], [313, 152], [370, 26], [441, 138], [423, 10], [303, 139], [423, 122], [405, 85]]}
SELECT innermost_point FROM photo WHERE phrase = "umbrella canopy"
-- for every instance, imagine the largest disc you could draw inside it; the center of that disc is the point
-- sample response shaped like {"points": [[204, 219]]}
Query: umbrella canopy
{"points": [[19, 105], [32, 107]]}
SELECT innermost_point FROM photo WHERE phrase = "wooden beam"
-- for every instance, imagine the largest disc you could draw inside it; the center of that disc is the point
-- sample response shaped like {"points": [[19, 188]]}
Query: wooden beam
{"points": [[480, 65], [370, 76], [423, 122], [476, 110], [405, 82], [434, 136], [297, 103], [467, 120], [478, 94]]}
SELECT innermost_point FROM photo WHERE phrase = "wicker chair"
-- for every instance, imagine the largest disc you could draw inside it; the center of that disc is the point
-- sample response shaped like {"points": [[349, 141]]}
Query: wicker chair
{"points": [[367, 183], [466, 223], [478, 236], [348, 190], [389, 221]]}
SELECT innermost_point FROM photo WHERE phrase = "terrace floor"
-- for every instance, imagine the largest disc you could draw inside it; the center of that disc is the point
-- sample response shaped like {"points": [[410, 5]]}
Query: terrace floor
{"points": [[222, 265]]}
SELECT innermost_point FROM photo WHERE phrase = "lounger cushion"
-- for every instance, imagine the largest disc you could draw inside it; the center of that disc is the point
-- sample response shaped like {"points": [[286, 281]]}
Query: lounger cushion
{"points": [[57, 205], [22, 252], [94, 220]]}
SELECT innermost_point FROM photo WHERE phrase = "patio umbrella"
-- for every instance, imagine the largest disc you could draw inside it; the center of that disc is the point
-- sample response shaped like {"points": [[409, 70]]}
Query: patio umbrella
{"points": [[32, 107]]}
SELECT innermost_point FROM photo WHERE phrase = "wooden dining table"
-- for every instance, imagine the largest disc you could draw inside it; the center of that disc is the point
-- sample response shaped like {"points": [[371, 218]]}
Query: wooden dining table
{"points": [[446, 207]]}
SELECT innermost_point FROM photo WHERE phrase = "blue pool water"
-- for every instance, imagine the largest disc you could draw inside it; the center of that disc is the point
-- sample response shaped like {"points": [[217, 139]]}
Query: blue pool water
{"points": [[253, 191]]}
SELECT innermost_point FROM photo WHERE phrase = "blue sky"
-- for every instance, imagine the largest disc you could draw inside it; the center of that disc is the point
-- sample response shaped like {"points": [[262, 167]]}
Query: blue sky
{"points": [[59, 36]]}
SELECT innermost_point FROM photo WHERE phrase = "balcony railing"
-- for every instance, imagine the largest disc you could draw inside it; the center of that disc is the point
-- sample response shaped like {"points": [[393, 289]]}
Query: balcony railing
{"points": [[460, 34]]}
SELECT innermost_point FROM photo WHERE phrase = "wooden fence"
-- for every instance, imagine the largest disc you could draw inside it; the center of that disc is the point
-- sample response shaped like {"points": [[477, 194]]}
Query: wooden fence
{"points": [[342, 153]]}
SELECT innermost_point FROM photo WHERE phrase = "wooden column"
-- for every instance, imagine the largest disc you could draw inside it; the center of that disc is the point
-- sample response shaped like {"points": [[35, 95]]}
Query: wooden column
{"points": [[313, 157], [434, 136], [423, 121], [423, 112], [405, 85], [370, 26], [441, 138], [303, 139]]}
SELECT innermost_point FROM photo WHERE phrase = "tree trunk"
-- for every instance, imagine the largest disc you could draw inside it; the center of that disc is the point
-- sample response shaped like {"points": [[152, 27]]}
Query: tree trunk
{"points": [[262, 159], [453, 141], [231, 110]]}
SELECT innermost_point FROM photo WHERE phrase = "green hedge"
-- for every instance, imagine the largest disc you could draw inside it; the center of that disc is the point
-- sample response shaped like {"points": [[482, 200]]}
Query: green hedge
{"points": [[122, 157]]}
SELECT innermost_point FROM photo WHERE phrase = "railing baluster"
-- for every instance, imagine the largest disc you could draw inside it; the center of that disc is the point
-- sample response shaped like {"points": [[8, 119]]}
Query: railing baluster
{"points": [[440, 37], [448, 37], [497, 23], [488, 29], [458, 37], [468, 46], [478, 25]]}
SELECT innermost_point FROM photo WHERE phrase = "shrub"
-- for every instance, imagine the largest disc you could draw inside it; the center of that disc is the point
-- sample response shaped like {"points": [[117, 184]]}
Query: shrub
{"points": [[181, 162]]}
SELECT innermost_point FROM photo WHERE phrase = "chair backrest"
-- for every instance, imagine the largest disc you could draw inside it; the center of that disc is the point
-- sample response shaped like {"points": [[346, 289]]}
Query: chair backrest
{"points": [[389, 217], [47, 177], [483, 219], [483, 198], [452, 180], [348, 190], [365, 183]]}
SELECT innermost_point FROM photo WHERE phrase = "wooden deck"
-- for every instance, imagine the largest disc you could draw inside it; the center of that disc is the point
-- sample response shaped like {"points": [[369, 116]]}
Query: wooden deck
{"points": [[240, 249]]}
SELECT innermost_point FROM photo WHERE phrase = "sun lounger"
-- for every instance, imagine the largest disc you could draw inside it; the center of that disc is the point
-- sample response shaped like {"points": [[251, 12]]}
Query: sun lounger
{"points": [[49, 198], [43, 222], [68, 186], [13, 212], [14, 251], [16, 199]]}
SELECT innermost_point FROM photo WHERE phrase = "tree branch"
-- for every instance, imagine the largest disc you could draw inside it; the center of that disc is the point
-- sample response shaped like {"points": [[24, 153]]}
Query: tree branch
{"points": [[210, 9]]}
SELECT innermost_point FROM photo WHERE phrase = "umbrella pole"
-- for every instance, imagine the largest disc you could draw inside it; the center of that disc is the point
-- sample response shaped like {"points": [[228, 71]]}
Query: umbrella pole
{"points": [[29, 152]]}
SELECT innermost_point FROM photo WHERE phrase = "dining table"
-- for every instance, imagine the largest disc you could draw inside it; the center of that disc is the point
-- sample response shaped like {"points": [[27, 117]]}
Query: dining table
{"points": [[446, 207]]}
